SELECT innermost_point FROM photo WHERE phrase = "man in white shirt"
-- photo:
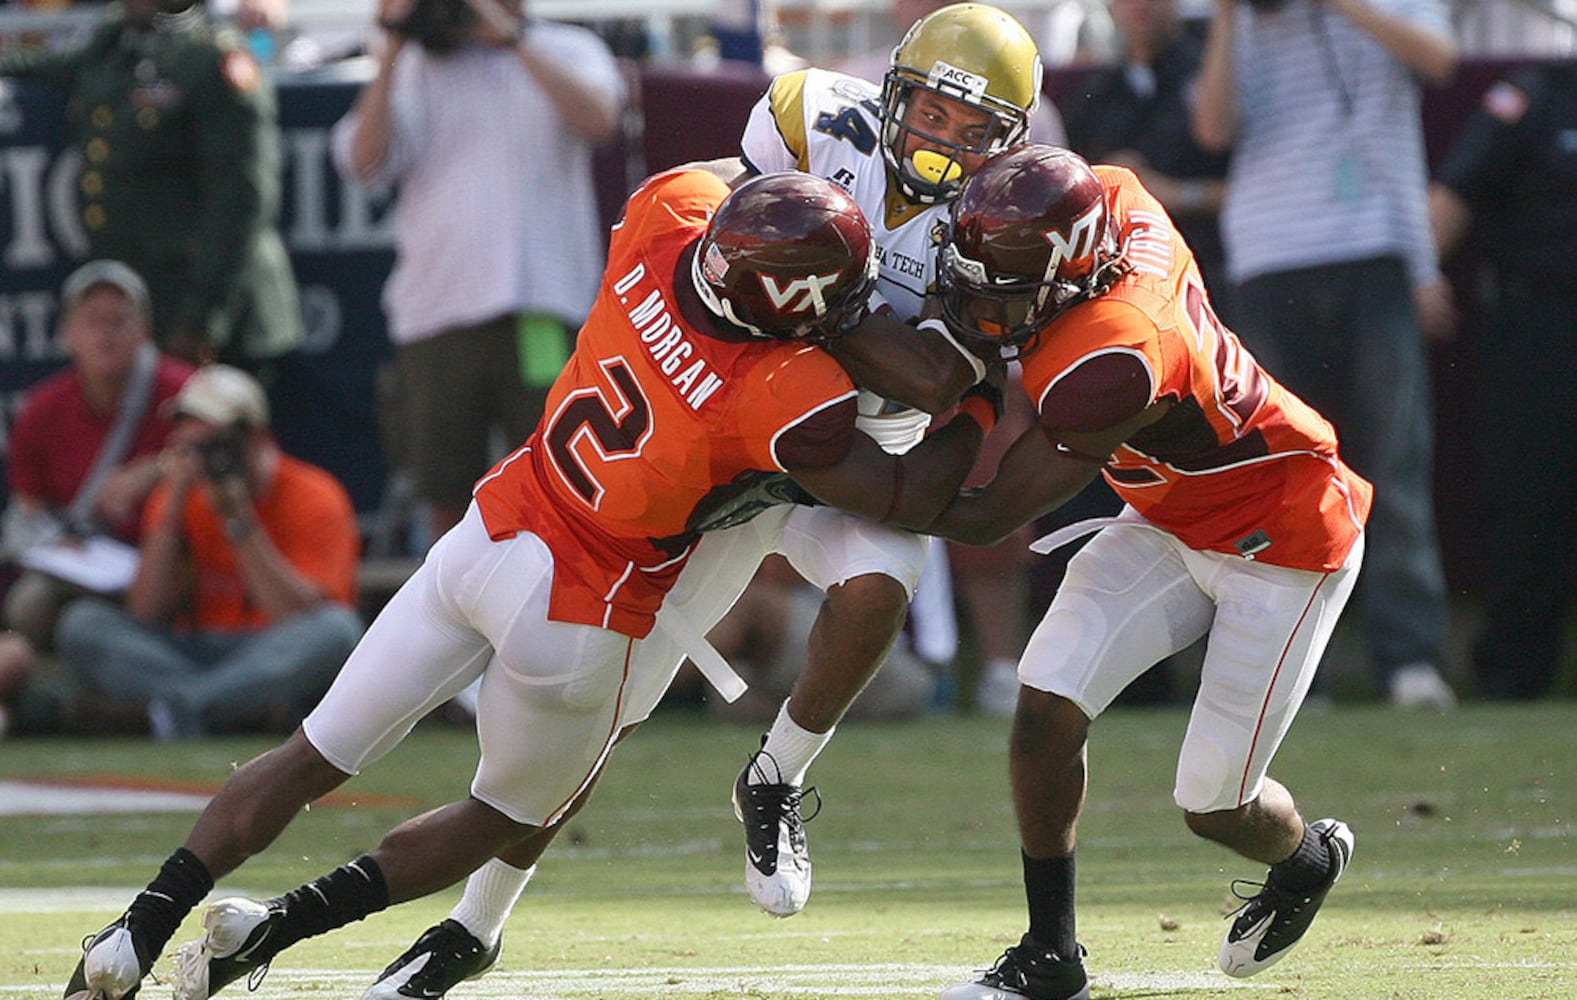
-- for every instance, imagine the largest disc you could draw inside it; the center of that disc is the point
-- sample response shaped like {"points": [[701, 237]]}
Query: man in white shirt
{"points": [[487, 125]]}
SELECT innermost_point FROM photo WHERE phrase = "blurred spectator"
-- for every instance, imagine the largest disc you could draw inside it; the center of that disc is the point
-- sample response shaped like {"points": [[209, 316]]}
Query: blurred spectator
{"points": [[1135, 113], [1327, 239], [17, 662], [1073, 32], [242, 609], [176, 125], [487, 125], [1515, 28], [84, 449], [1511, 177]]}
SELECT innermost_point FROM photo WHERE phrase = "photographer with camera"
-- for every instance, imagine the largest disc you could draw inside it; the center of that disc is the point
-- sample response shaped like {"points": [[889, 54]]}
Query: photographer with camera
{"points": [[243, 606], [1328, 248], [486, 120]]}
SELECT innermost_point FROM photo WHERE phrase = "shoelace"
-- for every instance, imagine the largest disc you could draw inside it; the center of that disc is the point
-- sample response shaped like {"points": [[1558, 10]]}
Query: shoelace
{"points": [[767, 801], [764, 797], [1246, 884], [254, 979], [1007, 972]]}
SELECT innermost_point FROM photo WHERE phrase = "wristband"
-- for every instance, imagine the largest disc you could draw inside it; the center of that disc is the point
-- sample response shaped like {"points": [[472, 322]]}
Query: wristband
{"points": [[937, 326], [981, 411]]}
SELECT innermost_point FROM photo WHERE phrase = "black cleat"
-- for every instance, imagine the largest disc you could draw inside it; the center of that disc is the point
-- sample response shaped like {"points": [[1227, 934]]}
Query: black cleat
{"points": [[1027, 971], [444, 956], [1270, 922], [777, 858]]}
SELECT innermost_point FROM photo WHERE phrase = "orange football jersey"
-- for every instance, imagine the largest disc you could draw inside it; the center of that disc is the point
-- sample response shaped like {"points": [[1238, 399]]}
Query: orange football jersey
{"points": [[653, 418], [1238, 464]]}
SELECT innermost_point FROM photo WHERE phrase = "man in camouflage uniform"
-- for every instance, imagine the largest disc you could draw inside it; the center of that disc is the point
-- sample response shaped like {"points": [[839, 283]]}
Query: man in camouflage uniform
{"points": [[181, 175]]}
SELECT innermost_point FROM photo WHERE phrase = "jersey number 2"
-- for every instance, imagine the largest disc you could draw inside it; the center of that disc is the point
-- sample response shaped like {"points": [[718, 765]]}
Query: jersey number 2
{"points": [[614, 427]]}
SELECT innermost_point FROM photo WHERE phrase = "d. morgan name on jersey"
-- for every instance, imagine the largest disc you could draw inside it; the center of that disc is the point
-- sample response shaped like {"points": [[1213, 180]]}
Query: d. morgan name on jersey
{"points": [[665, 340]]}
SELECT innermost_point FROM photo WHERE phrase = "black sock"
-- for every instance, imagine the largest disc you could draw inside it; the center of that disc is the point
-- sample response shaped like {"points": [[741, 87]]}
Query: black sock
{"points": [[345, 895], [1308, 868], [158, 910], [1048, 885]]}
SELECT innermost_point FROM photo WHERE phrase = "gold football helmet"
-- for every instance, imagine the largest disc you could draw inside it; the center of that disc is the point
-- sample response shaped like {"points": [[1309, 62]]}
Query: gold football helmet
{"points": [[970, 52]]}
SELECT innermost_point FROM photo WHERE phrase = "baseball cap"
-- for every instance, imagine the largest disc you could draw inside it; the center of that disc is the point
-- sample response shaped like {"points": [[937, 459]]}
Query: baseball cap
{"points": [[220, 394], [104, 272]]}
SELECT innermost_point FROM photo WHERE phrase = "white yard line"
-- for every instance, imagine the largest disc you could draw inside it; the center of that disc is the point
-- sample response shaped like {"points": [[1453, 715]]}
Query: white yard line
{"points": [[876, 980]]}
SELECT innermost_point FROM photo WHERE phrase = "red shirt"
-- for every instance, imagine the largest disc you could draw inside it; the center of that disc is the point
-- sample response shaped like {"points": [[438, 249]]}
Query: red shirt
{"points": [[1239, 464], [57, 434], [652, 415]]}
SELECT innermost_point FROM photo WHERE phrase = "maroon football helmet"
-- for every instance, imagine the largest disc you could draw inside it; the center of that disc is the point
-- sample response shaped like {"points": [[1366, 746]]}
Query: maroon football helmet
{"points": [[788, 256], [1031, 237]]}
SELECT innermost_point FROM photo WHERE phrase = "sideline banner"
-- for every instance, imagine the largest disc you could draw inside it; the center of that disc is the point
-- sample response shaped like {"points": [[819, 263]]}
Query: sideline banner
{"points": [[325, 408]]}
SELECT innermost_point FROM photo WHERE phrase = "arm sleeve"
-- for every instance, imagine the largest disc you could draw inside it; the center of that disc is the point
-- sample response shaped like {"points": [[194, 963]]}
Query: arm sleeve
{"points": [[821, 439], [238, 168], [580, 52], [406, 111], [321, 539], [39, 62], [1101, 390]]}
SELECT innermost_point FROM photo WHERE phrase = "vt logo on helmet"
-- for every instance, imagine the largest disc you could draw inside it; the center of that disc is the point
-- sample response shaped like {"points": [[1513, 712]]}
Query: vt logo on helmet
{"points": [[1031, 238], [787, 256], [808, 289]]}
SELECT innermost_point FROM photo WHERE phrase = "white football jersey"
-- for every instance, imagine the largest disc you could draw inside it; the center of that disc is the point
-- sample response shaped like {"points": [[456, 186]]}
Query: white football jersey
{"points": [[829, 124]]}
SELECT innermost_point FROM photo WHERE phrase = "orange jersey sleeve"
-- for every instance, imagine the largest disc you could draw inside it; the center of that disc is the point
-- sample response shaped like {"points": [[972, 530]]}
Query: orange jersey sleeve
{"points": [[1238, 464], [651, 415]]}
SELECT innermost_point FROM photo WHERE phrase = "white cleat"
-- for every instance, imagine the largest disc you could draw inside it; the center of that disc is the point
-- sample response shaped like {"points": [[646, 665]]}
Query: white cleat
{"points": [[110, 968], [236, 943], [777, 857]]}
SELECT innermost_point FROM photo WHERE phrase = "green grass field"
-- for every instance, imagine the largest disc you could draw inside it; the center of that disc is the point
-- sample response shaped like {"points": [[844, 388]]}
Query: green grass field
{"points": [[1464, 882]]}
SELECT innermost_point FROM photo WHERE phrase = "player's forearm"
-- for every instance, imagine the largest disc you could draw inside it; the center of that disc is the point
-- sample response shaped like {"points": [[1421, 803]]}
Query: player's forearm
{"points": [[934, 470], [915, 367], [1032, 480]]}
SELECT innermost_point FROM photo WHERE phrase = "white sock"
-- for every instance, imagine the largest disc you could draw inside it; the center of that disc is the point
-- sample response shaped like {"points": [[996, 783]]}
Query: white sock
{"points": [[490, 894], [793, 748]]}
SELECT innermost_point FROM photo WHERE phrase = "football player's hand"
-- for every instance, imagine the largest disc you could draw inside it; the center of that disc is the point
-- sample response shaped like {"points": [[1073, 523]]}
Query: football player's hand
{"points": [[992, 389]]}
